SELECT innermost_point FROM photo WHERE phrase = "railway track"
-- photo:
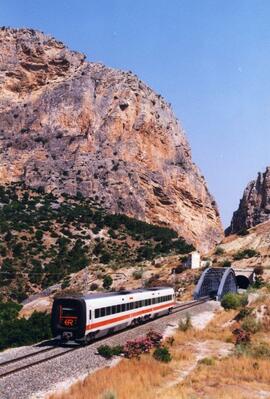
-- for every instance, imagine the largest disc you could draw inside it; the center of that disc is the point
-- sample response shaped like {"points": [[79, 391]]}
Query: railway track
{"points": [[21, 359]]}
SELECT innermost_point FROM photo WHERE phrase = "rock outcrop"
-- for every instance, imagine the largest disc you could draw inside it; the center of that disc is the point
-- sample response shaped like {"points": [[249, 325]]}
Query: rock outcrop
{"points": [[254, 207], [71, 126]]}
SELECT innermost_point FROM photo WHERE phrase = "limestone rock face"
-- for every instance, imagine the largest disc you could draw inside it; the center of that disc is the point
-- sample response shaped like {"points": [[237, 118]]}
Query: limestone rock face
{"points": [[71, 126], [254, 207]]}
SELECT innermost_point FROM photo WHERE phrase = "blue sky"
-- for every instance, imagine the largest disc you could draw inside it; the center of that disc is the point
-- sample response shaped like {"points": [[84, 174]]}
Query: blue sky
{"points": [[209, 58]]}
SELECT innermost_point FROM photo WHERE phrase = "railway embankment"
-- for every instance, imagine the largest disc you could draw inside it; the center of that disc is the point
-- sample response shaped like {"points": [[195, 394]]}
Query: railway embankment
{"points": [[60, 372]]}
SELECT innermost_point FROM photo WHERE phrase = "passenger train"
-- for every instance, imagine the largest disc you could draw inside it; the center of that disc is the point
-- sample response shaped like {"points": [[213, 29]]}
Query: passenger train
{"points": [[82, 319]]}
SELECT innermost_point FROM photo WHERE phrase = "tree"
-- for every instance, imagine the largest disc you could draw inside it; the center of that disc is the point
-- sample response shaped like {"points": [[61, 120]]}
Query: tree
{"points": [[107, 282]]}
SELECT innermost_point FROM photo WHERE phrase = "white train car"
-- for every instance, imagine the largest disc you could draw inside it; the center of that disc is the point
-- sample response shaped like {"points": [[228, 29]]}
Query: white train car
{"points": [[83, 319]]}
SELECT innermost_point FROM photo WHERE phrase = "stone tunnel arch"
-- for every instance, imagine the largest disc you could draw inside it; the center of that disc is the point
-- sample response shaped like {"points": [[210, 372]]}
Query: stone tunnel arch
{"points": [[242, 281]]}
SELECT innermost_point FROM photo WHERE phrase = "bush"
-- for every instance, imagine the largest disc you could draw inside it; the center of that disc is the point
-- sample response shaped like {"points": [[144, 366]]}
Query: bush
{"points": [[245, 254], [154, 337], [234, 301], [262, 350], [242, 337], [137, 274], [107, 282], [109, 395], [244, 313], [162, 355], [17, 332], [251, 325], [110, 351], [243, 232], [136, 347], [259, 270], [93, 287], [185, 324], [219, 251], [226, 263], [259, 282], [208, 361], [179, 269]]}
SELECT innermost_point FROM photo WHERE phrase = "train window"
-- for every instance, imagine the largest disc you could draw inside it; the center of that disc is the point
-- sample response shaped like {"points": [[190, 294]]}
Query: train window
{"points": [[96, 313], [137, 304], [113, 309], [143, 302], [153, 301], [102, 312], [123, 307], [118, 308], [131, 305], [89, 314], [108, 310]]}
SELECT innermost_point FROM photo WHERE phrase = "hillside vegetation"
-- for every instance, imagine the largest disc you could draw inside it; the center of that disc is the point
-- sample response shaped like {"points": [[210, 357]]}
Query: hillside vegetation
{"points": [[43, 239], [16, 331]]}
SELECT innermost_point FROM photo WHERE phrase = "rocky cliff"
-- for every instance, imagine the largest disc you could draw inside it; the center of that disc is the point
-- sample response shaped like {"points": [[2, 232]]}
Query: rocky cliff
{"points": [[67, 125], [254, 207]]}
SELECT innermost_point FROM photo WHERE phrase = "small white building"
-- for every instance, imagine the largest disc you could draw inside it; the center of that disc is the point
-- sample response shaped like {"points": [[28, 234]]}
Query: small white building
{"points": [[193, 261]]}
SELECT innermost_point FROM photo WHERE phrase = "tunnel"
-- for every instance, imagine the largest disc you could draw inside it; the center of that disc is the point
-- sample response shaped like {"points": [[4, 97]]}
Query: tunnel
{"points": [[242, 281]]}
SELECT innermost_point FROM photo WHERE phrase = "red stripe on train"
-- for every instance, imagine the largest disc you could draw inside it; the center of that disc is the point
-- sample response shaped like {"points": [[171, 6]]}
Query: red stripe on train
{"points": [[127, 316]]}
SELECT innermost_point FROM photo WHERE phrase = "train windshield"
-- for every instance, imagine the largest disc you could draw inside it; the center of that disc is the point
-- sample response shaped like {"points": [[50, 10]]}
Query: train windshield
{"points": [[68, 315]]}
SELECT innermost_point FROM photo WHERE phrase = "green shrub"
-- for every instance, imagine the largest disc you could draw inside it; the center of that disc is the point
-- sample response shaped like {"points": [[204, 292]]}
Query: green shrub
{"points": [[39, 235], [105, 351], [162, 354], [109, 395], [93, 287], [226, 263], [105, 257], [219, 251], [243, 232], [109, 351], [234, 301], [208, 361], [261, 350], [245, 254], [107, 282], [244, 313], [185, 324], [137, 274], [250, 324], [259, 282], [17, 332]]}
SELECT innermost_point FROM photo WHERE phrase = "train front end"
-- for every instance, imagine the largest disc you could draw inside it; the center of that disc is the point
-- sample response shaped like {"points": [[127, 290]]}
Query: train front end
{"points": [[68, 318]]}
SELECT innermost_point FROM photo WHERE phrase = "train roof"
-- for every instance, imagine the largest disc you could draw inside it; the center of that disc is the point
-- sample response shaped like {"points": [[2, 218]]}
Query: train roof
{"points": [[125, 292], [115, 293]]}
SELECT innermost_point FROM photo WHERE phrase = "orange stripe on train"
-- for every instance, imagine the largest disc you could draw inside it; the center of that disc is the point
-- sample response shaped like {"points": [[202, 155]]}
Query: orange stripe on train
{"points": [[127, 316]]}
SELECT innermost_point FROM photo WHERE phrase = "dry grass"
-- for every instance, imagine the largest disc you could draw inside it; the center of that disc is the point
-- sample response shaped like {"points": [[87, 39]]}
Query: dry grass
{"points": [[230, 378], [130, 379]]}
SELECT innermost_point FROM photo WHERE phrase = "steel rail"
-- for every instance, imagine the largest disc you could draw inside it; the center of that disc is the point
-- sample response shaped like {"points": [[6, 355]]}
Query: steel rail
{"points": [[26, 366], [17, 359]]}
